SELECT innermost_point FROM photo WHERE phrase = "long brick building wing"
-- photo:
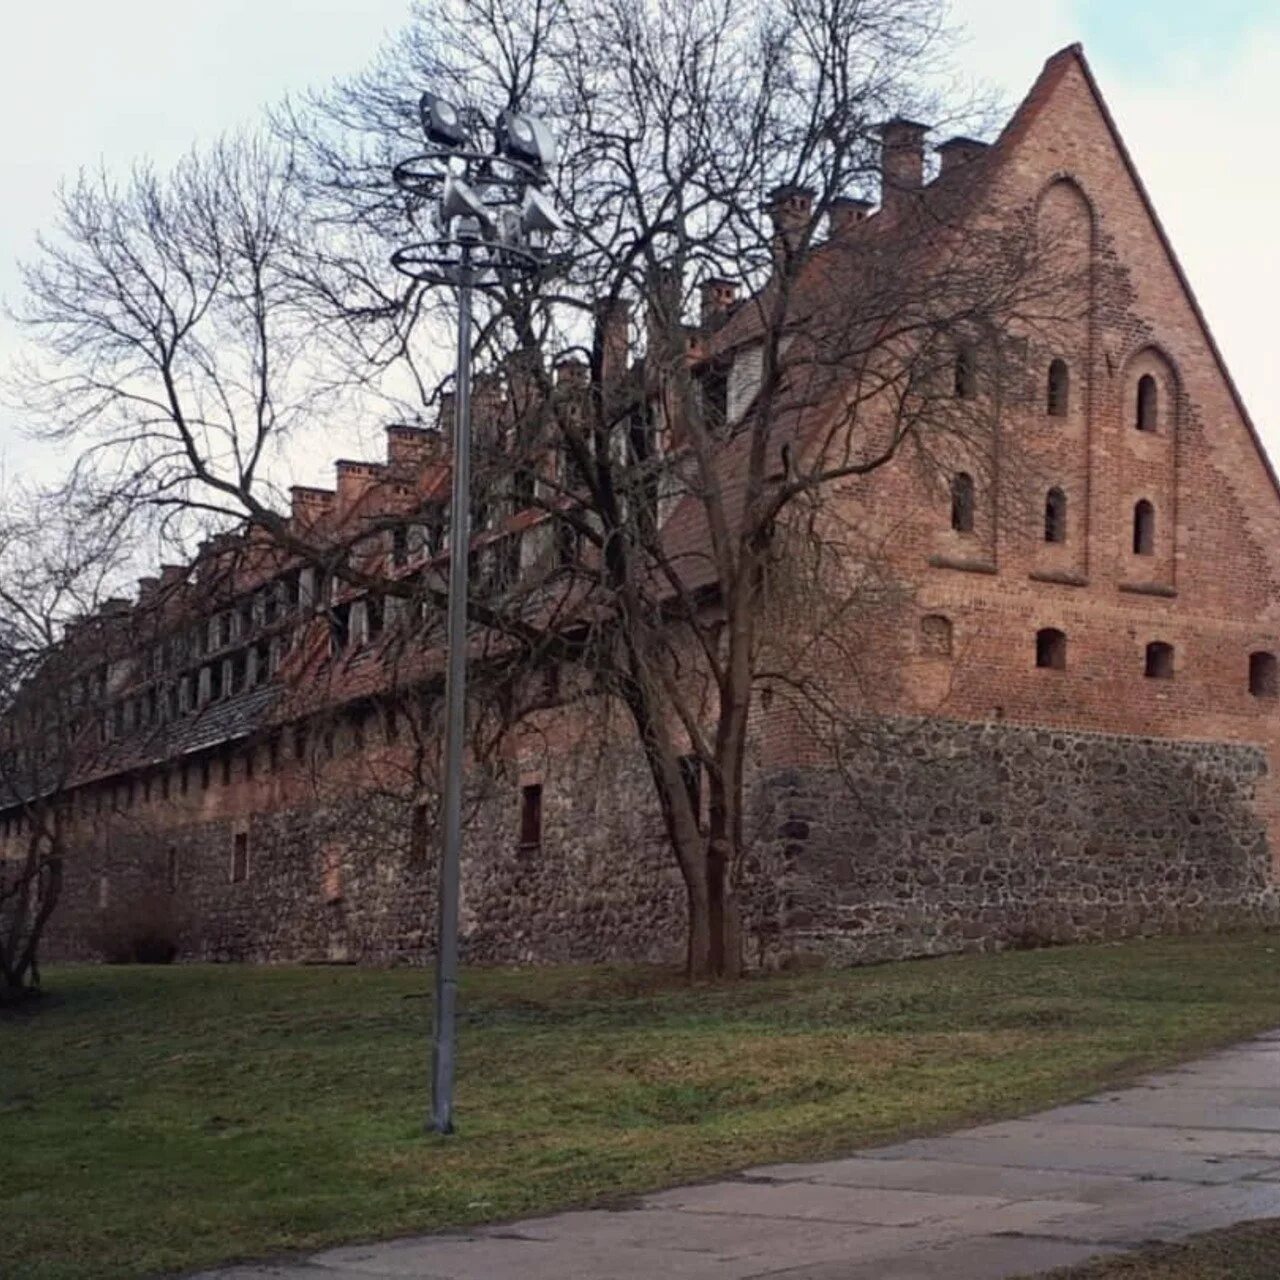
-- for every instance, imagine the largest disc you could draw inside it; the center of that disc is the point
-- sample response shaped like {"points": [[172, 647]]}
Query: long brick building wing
{"points": [[1071, 703]]}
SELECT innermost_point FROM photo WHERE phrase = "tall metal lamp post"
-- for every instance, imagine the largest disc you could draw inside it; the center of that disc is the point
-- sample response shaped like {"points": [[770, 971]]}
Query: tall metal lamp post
{"points": [[493, 221]]}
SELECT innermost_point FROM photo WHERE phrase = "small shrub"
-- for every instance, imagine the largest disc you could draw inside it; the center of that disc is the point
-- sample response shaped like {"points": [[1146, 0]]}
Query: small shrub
{"points": [[145, 928]]}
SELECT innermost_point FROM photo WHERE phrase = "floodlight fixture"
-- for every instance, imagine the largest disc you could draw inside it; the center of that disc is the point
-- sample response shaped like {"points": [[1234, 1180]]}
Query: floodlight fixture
{"points": [[442, 121], [526, 139], [538, 215], [460, 200]]}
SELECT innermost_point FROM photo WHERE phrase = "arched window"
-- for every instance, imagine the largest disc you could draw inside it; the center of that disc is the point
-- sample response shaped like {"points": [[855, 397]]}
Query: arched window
{"points": [[1263, 682], [966, 374], [935, 635], [1159, 665], [1051, 649], [1059, 389], [1144, 528], [1148, 407], [962, 502], [1055, 516]]}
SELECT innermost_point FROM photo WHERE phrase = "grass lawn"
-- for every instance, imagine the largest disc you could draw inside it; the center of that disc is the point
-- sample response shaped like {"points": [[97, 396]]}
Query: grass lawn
{"points": [[1250, 1251], [157, 1119]]}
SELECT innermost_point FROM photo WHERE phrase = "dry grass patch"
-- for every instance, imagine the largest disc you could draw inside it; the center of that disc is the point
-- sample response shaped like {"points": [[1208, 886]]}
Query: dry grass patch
{"points": [[161, 1119]]}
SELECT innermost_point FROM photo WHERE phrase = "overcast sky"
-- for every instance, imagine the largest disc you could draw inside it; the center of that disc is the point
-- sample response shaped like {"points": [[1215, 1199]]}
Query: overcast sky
{"points": [[1195, 89]]}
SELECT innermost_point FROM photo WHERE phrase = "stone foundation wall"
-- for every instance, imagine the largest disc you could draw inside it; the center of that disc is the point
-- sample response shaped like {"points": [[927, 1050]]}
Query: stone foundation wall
{"points": [[937, 836], [339, 879], [941, 836]]}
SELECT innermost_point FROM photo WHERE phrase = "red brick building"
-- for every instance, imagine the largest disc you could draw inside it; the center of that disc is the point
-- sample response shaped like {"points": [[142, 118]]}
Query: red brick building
{"points": [[1076, 699]]}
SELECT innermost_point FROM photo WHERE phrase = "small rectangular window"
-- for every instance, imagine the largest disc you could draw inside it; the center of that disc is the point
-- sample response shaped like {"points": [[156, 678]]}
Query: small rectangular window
{"points": [[240, 858], [531, 816], [171, 868], [419, 833]]}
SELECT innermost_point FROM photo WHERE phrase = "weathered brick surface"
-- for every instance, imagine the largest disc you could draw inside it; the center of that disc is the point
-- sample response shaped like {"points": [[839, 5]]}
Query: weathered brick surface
{"points": [[334, 875], [1015, 803]]}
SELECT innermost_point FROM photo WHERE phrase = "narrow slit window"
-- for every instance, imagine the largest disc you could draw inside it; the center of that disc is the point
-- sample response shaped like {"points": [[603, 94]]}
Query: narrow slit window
{"points": [[240, 857], [419, 834], [531, 816], [1147, 416], [966, 378], [1144, 528], [1059, 391], [962, 503], [1055, 516]]}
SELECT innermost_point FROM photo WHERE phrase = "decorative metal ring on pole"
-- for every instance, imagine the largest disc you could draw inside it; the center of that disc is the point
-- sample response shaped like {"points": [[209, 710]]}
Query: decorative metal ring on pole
{"points": [[477, 193], [437, 261], [421, 175]]}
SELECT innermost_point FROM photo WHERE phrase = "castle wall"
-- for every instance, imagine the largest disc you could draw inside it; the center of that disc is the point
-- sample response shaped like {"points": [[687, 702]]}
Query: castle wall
{"points": [[998, 802], [948, 836], [337, 873]]}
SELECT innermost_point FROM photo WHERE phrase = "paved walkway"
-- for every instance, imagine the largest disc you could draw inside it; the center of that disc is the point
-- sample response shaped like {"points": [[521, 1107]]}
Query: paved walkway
{"points": [[1193, 1149]]}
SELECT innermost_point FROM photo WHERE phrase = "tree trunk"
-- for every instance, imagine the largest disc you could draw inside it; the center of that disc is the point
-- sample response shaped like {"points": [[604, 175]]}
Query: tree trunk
{"points": [[715, 921]]}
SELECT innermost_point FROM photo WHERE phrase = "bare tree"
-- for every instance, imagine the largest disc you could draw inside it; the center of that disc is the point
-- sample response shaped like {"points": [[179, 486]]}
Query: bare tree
{"points": [[57, 565], [654, 442]]}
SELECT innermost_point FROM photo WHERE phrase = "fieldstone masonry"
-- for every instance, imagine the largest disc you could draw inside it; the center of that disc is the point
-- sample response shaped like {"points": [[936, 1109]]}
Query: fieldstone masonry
{"points": [[1004, 800], [950, 836]]}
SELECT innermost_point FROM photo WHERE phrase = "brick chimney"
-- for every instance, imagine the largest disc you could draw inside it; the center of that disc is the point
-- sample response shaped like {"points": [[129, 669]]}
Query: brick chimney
{"points": [[901, 163], [410, 446], [955, 153], [355, 479], [444, 420], [308, 506], [717, 297], [845, 212], [524, 383], [663, 315], [790, 207], [614, 319]]}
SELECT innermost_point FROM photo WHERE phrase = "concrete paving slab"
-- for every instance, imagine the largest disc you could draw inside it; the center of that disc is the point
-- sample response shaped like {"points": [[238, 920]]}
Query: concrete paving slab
{"points": [[952, 1177], [1175, 1216], [1237, 1143], [869, 1205], [704, 1248], [1184, 1151], [986, 1258], [1125, 1161], [1171, 1110], [720, 1234]]}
